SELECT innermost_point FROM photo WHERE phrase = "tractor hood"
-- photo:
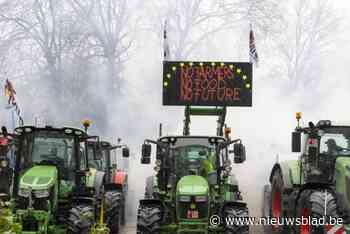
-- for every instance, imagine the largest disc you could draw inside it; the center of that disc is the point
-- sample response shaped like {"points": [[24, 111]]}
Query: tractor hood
{"points": [[39, 177], [192, 185]]}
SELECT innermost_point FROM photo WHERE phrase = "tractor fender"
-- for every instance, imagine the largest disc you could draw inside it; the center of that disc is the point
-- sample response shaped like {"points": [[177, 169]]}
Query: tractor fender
{"points": [[232, 192], [232, 180], [150, 202], [234, 204], [120, 178], [290, 172], [98, 182]]}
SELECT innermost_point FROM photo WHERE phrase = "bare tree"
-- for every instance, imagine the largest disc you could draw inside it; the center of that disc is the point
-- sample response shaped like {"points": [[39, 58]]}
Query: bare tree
{"points": [[192, 22], [44, 29], [308, 36], [106, 23]]}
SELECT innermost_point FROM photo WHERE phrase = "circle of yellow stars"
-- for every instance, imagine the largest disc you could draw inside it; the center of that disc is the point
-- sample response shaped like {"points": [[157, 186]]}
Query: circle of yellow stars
{"points": [[238, 72]]}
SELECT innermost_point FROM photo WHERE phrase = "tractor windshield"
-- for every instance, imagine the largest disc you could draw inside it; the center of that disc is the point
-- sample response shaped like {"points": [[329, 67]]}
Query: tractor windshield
{"points": [[95, 157], [196, 156], [194, 159], [49, 148], [335, 141]]}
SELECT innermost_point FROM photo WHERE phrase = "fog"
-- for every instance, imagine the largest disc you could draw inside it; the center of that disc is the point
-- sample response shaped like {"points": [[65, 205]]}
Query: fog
{"points": [[133, 111]]}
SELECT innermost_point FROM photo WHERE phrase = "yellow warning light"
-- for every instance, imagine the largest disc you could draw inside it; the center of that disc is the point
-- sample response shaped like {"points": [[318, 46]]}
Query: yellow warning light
{"points": [[86, 123], [227, 131], [298, 115]]}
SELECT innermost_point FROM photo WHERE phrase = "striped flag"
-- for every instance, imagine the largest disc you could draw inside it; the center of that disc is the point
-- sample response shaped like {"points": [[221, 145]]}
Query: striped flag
{"points": [[165, 43], [10, 92], [253, 54]]}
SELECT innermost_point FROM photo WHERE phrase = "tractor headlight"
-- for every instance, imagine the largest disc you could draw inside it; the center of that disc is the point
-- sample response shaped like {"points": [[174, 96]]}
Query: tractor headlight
{"points": [[185, 198], [24, 192], [3, 163], [41, 193], [201, 198]]}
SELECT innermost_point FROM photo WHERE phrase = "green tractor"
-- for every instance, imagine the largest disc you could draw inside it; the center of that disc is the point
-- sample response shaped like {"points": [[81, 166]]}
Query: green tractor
{"points": [[193, 188], [50, 187], [313, 190], [115, 181]]}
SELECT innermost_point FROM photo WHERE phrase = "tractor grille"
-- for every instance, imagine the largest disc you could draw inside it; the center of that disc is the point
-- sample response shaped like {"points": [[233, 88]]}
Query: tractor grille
{"points": [[185, 207]]}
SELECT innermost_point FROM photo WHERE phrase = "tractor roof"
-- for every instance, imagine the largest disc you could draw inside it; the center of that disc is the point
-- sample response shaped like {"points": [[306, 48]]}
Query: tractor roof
{"points": [[211, 139], [67, 130]]}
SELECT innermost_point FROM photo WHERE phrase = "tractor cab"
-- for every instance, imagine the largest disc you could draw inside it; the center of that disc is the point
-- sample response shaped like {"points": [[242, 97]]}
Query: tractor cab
{"points": [[321, 145], [50, 166]]}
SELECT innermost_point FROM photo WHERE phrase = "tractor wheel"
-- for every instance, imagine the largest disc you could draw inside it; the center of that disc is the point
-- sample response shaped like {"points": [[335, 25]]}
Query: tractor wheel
{"points": [[80, 219], [316, 204], [122, 209], [148, 220], [276, 205], [233, 213], [113, 210]]}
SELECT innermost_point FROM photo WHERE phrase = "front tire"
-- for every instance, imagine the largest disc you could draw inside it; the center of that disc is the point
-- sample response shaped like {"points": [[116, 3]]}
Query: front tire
{"points": [[148, 220], [80, 219], [113, 211], [240, 214]]}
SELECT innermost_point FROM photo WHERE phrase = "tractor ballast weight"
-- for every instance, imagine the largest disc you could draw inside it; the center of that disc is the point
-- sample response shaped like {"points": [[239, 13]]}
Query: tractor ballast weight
{"points": [[316, 184]]}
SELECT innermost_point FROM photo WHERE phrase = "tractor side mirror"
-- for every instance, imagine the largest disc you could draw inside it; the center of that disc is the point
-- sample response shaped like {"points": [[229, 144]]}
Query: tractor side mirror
{"points": [[212, 178], [296, 142], [126, 152], [146, 154], [239, 152]]}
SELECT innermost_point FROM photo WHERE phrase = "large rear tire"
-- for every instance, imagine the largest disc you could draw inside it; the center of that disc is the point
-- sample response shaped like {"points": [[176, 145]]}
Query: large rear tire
{"points": [[266, 209], [276, 204], [237, 215], [113, 211], [148, 220], [316, 204], [80, 219]]}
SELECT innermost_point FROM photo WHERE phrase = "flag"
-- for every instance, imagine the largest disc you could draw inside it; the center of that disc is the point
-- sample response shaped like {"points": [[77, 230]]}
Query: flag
{"points": [[165, 43], [10, 92], [253, 54]]}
